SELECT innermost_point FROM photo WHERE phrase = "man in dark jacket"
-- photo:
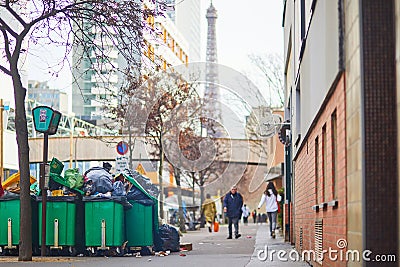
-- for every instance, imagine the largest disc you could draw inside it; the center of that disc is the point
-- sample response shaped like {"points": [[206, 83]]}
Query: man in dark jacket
{"points": [[233, 203]]}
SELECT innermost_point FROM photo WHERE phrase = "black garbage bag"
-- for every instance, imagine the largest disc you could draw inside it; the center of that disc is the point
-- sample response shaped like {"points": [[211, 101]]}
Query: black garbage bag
{"points": [[9, 195], [118, 189], [53, 185], [101, 178], [139, 197], [158, 242], [89, 188], [170, 238], [144, 182]]}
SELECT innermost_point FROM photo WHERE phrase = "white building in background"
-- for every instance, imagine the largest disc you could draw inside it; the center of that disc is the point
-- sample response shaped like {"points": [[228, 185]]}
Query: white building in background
{"points": [[93, 86], [188, 17], [91, 90], [43, 94]]}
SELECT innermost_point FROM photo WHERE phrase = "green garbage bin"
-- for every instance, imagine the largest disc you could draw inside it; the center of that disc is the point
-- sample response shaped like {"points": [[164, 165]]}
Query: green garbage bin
{"points": [[141, 222], [104, 223], [139, 225], [10, 224], [61, 224]]}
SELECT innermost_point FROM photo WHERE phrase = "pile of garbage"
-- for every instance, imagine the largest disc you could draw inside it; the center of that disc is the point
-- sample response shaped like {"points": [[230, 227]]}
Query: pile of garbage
{"points": [[10, 188], [98, 182], [68, 185], [95, 182], [168, 239], [145, 182]]}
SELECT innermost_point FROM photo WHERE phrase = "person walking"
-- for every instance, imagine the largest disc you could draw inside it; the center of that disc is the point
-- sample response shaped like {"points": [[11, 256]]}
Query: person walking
{"points": [[209, 210], [246, 214], [254, 215], [271, 199], [233, 203]]}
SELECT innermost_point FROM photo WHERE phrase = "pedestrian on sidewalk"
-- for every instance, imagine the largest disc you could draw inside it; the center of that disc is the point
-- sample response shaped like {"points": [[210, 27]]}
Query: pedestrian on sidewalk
{"points": [[254, 215], [271, 199], [246, 214], [209, 210], [233, 203]]}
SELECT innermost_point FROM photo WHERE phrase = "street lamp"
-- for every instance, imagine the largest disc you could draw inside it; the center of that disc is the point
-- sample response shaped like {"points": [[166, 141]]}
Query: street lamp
{"points": [[46, 121]]}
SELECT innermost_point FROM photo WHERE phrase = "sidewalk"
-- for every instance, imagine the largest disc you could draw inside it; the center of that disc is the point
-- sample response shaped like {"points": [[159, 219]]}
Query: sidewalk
{"points": [[264, 243], [248, 250], [209, 249]]}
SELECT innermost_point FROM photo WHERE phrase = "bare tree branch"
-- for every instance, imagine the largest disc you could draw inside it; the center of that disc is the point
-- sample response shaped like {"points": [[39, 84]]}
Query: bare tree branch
{"points": [[271, 66]]}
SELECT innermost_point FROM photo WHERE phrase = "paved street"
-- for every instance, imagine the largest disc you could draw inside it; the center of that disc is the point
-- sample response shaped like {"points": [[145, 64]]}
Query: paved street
{"points": [[209, 249]]}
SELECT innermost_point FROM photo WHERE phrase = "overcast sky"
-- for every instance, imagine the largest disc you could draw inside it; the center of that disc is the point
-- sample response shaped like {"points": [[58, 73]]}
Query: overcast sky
{"points": [[243, 27]]}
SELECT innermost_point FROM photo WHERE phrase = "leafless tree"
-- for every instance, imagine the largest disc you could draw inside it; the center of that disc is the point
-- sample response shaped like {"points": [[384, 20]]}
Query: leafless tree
{"points": [[64, 23], [271, 67]]}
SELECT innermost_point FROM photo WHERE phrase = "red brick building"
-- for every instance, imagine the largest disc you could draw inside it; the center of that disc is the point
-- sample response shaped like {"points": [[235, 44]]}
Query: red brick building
{"points": [[342, 98], [320, 181]]}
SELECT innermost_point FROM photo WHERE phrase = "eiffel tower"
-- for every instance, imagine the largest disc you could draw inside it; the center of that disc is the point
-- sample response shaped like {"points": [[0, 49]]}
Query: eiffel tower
{"points": [[212, 106]]}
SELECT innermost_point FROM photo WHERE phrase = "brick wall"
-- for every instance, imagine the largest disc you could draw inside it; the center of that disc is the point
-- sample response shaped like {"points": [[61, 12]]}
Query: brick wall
{"points": [[333, 217]]}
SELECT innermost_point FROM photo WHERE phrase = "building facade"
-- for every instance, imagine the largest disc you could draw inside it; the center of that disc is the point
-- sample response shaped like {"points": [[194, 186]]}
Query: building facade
{"points": [[342, 99], [42, 93], [97, 83], [188, 18]]}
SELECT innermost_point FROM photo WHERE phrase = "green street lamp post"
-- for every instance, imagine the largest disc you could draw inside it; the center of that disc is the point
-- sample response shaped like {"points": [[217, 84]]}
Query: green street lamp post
{"points": [[46, 121]]}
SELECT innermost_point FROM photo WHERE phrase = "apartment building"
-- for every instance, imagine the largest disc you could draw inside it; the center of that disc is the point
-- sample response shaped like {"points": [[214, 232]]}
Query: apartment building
{"points": [[42, 93], [96, 83], [342, 99]]}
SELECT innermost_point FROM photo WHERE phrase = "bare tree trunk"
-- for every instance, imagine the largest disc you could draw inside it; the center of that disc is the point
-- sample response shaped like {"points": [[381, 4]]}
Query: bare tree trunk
{"points": [[25, 242]]}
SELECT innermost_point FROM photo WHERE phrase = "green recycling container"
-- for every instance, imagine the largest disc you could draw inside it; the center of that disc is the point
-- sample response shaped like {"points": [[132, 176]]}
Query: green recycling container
{"points": [[104, 222], [10, 222], [139, 225], [60, 220]]}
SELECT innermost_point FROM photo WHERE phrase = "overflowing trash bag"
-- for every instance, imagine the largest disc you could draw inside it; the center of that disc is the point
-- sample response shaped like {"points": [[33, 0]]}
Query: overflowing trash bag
{"points": [[73, 178], [34, 188], [102, 179], [9, 195], [58, 183], [167, 239], [118, 189], [139, 197], [144, 182], [89, 188], [12, 183]]}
